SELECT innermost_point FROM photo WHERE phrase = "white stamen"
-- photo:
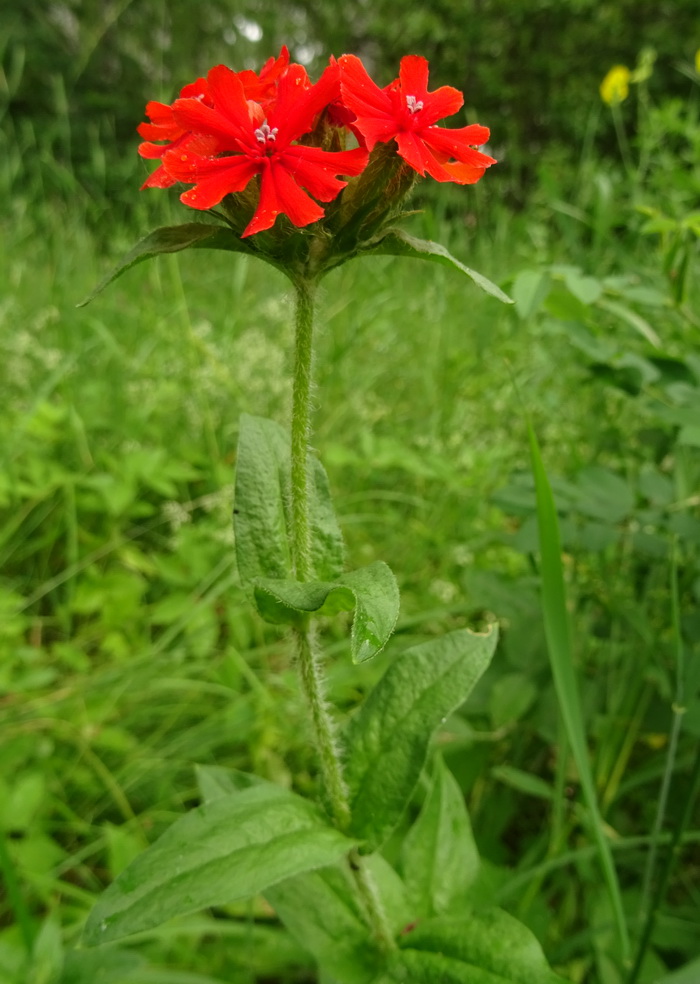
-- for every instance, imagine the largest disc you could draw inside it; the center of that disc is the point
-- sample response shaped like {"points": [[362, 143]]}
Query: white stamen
{"points": [[264, 134], [414, 105]]}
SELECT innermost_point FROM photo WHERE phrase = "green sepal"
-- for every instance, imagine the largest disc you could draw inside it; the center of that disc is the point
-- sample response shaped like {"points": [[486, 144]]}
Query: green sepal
{"points": [[173, 239], [396, 242], [232, 847], [485, 947], [372, 592], [262, 499], [439, 857], [387, 741]]}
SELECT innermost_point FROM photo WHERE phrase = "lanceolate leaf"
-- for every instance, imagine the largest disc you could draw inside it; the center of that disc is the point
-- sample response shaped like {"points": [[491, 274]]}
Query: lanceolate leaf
{"points": [[486, 947], [261, 500], [173, 239], [387, 742], [371, 591], [396, 242], [262, 497], [439, 858], [231, 848]]}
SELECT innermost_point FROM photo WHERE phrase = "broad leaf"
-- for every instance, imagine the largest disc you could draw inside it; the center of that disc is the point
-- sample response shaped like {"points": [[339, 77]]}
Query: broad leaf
{"points": [[487, 947], [439, 859], [173, 239], [396, 242], [372, 592], [261, 511], [387, 741], [231, 848]]}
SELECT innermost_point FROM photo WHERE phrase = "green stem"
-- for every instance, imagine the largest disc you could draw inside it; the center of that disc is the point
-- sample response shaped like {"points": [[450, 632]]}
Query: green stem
{"points": [[307, 651], [301, 429], [324, 728]]}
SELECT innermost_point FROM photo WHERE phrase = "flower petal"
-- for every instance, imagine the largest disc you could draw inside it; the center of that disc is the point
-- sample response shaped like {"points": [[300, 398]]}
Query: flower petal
{"points": [[316, 169], [373, 106], [413, 76], [214, 177], [298, 103], [279, 194], [229, 96], [457, 143], [465, 173], [414, 152], [194, 117]]}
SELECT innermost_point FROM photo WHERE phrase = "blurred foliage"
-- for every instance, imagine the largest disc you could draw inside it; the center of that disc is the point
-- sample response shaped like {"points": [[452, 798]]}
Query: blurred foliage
{"points": [[529, 70]]}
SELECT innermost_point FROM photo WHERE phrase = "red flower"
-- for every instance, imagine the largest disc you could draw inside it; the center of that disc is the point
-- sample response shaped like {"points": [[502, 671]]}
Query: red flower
{"points": [[261, 139], [406, 112]]}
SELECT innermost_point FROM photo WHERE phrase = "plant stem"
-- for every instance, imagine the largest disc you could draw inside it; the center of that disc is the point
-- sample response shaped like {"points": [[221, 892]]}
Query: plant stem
{"points": [[324, 729], [300, 536], [307, 651], [301, 429]]}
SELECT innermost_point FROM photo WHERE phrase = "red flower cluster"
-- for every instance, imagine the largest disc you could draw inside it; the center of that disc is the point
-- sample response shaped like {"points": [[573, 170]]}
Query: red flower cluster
{"points": [[226, 129]]}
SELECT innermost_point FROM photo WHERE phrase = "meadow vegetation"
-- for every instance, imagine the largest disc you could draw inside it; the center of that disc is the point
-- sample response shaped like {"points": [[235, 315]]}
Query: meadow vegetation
{"points": [[128, 653]]}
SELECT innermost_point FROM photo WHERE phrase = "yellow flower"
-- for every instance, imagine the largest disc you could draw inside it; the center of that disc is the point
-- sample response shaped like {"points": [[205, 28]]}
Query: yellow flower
{"points": [[615, 86]]}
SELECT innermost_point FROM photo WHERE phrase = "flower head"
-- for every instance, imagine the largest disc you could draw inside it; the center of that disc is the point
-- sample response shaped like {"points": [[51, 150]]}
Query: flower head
{"points": [[614, 88], [261, 138], [406, 112]]}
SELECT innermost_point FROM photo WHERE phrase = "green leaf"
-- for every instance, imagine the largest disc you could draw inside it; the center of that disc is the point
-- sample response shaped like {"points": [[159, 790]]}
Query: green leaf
{"points": [[561, 656], [108, 966], [487, 947], [530, 288], [173, 239], [262, 496], [215, 781], [231, 848], [321, 911], [439, 859], [387, 741], [397, 242], [371, 591]]}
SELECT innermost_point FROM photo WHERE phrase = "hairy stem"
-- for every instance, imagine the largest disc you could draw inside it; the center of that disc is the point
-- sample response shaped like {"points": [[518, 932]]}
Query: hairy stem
{"points": [[301, 429], [307, 652], [324, 728]]}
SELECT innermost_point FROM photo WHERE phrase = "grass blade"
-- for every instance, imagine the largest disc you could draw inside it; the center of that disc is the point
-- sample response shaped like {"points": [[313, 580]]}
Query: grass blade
{"points": [[559, 645]]}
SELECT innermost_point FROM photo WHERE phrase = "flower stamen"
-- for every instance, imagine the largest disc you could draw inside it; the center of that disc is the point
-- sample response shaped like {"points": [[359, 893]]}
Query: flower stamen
{"points": [[264, 134], [414, 105]]}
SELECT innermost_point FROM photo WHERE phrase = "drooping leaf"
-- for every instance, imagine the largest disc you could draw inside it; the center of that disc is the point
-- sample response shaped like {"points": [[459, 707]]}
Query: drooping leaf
{"points": [[485, 947], [387, 741], [231, 848], [261, 511], [173, 239], [397, 242], [372, 592], [439, 859]]}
